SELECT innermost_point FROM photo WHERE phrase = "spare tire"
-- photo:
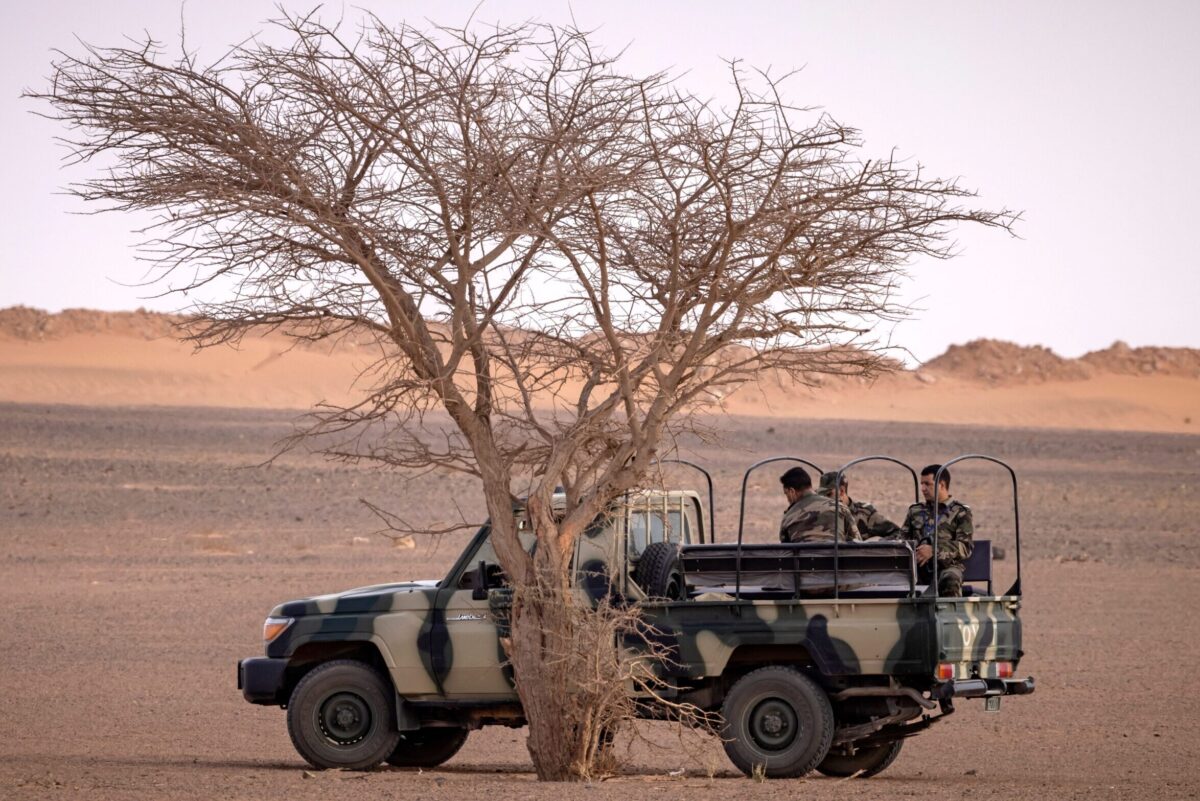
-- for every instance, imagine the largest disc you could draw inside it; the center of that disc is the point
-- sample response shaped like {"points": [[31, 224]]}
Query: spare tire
{"points": [[658, 572]]}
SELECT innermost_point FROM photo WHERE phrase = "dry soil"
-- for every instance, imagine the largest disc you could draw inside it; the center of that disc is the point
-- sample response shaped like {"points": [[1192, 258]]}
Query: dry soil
{"points": [[141, 548]]}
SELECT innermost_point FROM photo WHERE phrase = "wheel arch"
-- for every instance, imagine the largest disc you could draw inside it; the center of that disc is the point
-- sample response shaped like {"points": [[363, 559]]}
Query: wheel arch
{"points": [[317, 651], [750, 656]]}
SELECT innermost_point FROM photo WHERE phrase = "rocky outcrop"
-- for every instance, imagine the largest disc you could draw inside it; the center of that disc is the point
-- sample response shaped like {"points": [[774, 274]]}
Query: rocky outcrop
{"points": [[1121, 359], [997, 362], [22, 322]]}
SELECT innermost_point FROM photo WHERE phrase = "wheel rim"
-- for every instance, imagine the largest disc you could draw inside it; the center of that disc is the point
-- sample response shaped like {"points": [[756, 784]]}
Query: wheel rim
{"points": [[774, 724], [344, 718]]}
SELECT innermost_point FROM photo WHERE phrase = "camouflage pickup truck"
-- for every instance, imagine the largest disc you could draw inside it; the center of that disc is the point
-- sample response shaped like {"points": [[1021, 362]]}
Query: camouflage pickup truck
{"points": [[818, 656]]}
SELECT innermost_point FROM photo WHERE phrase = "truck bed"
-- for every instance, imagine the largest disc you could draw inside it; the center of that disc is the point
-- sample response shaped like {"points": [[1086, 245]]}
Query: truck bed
{"points": [[800, 570]]}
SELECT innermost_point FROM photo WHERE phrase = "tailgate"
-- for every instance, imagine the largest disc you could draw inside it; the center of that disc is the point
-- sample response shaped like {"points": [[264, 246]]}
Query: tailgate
{"points": [[975, 635]]}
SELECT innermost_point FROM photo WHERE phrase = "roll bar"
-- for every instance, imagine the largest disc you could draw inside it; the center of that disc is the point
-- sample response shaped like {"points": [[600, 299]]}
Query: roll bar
{"points": [[742, 512], [1015, 589], [707, 477], [879, 458], [837, 500]]}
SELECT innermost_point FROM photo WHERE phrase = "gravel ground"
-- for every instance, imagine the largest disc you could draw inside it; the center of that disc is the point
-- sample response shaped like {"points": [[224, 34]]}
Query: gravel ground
{"points": [[142, 547]]}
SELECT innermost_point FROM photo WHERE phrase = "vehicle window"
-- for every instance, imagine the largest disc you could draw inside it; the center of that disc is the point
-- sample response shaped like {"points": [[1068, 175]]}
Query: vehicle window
{"points": [[657, 527], [597, 526], [692, 529], [487, 553], [637, 532], [675, 526]]}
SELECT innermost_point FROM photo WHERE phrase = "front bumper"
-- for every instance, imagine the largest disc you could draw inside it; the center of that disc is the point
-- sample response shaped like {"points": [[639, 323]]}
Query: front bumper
{"points": [[983, 688], [261, 680]]}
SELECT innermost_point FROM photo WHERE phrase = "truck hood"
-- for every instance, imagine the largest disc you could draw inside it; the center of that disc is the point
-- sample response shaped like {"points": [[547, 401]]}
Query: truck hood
{"points": [[375, 598]]}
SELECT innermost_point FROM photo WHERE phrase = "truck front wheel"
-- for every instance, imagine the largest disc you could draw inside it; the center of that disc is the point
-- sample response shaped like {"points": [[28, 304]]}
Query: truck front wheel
{"points": [[427, 748], [778, 721], [341, 715], [865, 762]]}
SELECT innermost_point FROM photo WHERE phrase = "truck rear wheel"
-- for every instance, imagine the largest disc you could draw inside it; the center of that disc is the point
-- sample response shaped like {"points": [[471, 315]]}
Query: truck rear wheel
{"points": [[777, 720], [427, 748], [865, 762], [342, 715]]}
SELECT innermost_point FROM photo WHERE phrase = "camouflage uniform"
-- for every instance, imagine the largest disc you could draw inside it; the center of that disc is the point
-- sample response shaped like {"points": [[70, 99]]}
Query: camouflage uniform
{"points": [[868, 522], [812, 519], [954, 532]]}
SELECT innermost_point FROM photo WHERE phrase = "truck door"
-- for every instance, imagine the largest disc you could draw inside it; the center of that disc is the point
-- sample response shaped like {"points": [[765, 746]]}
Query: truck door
{"points": [[466, 645]]}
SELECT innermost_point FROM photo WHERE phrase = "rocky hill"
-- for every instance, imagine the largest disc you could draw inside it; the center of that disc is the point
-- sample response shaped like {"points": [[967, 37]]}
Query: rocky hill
{"points": [[987, 361], [1121, 359], [996, 362], [24, 323]]}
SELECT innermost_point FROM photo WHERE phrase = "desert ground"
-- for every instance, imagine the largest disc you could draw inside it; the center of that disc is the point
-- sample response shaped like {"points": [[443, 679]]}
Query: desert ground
{"points": [[143, 546], [143, 540]]}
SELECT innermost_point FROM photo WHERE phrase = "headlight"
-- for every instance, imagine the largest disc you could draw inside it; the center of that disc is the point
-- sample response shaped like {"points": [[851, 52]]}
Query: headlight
{"points": [[274, 626]]}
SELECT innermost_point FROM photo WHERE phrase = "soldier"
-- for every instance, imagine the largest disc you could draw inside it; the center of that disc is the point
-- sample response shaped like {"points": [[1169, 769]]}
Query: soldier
{"points": [[954, 530], [869, 522], [811, 517]]}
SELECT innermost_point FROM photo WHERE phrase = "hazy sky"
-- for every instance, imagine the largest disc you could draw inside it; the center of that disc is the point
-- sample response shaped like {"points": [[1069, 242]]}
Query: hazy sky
{"points": [[1083, 115]]}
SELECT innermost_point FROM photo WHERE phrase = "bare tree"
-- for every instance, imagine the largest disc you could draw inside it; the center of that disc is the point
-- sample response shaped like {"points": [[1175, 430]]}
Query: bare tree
{"points": [[566, 260]]}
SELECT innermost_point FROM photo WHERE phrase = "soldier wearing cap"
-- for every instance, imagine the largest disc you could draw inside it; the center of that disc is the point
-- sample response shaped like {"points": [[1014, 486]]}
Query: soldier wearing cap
{"points": [[948, 532], [868, 521], [811, 517]]}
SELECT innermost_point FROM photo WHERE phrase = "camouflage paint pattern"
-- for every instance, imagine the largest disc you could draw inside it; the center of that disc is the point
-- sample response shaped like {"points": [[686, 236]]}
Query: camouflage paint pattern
{"points": [[977, 633], [439, 644]]}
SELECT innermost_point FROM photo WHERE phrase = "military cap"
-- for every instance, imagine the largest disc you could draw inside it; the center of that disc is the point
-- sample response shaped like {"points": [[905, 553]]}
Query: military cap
{"points": [[827, 482]]}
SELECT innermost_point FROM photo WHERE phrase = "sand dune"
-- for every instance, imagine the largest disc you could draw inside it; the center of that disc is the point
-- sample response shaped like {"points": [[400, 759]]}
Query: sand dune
{"points": [[130, 358]]}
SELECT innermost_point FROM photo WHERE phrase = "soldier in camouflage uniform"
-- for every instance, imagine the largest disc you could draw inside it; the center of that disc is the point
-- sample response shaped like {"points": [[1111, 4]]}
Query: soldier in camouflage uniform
{"points": [[954, 532], [870, 523], [811, 517]]}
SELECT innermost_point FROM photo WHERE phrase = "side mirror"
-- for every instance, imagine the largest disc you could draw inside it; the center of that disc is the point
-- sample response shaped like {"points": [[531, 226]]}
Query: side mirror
{"points": [[479, 582]]}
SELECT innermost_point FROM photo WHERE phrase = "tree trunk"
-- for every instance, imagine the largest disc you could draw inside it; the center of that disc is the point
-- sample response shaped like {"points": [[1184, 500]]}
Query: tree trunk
{"points": [[537, 664], [553, 653]]}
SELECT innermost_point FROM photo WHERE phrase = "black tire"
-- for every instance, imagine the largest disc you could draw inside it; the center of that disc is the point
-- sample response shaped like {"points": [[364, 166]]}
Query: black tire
{"points": [[658, 573], [870, 759], [427, 748], [779, 719], [342, 714]]}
